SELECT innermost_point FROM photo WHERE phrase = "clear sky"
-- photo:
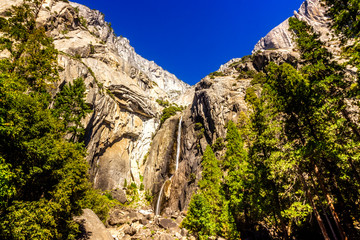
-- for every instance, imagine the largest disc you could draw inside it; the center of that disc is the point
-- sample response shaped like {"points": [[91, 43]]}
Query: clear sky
{"points": [[191, 38]]}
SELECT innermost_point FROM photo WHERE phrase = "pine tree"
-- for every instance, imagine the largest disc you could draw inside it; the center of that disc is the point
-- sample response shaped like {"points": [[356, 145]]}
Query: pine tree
{"points": [[205, 206], [312, 103], [43, 179], [199, 219], [239, 177], [71, 107]]}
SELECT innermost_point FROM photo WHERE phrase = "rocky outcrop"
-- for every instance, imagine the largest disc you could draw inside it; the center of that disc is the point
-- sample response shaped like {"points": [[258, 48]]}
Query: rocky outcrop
{"points": [[311, 11], [162, 78], [165, 80], [124, 138], [91, 227], [216, 102], [142, 224], [122, 88], [160, 161]]}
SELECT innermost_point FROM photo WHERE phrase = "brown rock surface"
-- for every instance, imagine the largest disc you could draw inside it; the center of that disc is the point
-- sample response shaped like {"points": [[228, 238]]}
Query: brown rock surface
{"points": [[167, 223], [92, 227]]}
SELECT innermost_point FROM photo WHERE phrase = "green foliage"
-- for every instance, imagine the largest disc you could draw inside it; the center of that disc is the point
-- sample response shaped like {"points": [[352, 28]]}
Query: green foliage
{"points": [[216, 74], [251, 96], [192, 177], [345, 15], [246, 74], [307, 42], [169, 111], [299, 159], [163, 103], [234, 148], [97, 202], [210, 177], [148, 196], [208, 213], [259, 78], [7, 188], [132, 192], [346, 23], [70, 105], [133, 186], [43, 177], [299, 124], [108, 195], [199, 218], [198, 126], [83, 22], [247, 58], [297, 211], [200, 134], [218, 145], [92, 49], [77, 10]]}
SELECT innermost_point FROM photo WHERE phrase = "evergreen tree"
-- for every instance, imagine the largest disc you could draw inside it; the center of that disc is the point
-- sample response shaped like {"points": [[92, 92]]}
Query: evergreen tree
{"points": [[312, 103], [71, 107], [43, 179], [239, 178], [205, 206], [211, 176], [199, 219]]}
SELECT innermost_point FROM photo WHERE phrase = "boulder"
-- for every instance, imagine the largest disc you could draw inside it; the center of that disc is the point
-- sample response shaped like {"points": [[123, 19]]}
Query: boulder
{"points": [[179, 220], [91, 227], [167, 223], [184, 232], [144, 221], [134, 216], [165, 237], [117, 217], [130, 231], [119, 195]]}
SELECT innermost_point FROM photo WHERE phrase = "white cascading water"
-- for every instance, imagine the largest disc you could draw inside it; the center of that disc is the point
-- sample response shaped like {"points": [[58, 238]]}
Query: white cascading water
{"points": [[157, 211], [178, 145]]}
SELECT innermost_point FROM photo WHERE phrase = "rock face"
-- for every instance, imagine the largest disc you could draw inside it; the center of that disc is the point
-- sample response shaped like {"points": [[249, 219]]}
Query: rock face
{"points": [[160, 162], [216, 102], [91, 226], [311, 11], [122, 89], [220, 99], [124, 138], [162, 78]]}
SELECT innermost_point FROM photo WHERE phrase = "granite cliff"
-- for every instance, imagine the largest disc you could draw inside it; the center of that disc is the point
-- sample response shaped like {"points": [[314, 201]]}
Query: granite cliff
{"points": [[122, 88], [124, 138], [219, 98]]}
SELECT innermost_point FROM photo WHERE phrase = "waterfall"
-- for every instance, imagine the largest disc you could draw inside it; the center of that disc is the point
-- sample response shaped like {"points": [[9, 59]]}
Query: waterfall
{"points": [[157, 211], [178, 145]]}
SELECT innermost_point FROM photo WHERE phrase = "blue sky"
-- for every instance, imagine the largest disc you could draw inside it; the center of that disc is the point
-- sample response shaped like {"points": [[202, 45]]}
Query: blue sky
{"points": [[191, 38]]}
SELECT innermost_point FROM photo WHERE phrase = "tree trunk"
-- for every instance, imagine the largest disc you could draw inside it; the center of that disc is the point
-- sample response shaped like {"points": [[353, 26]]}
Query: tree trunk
{"points": [[317, 215], [330, 204]]}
